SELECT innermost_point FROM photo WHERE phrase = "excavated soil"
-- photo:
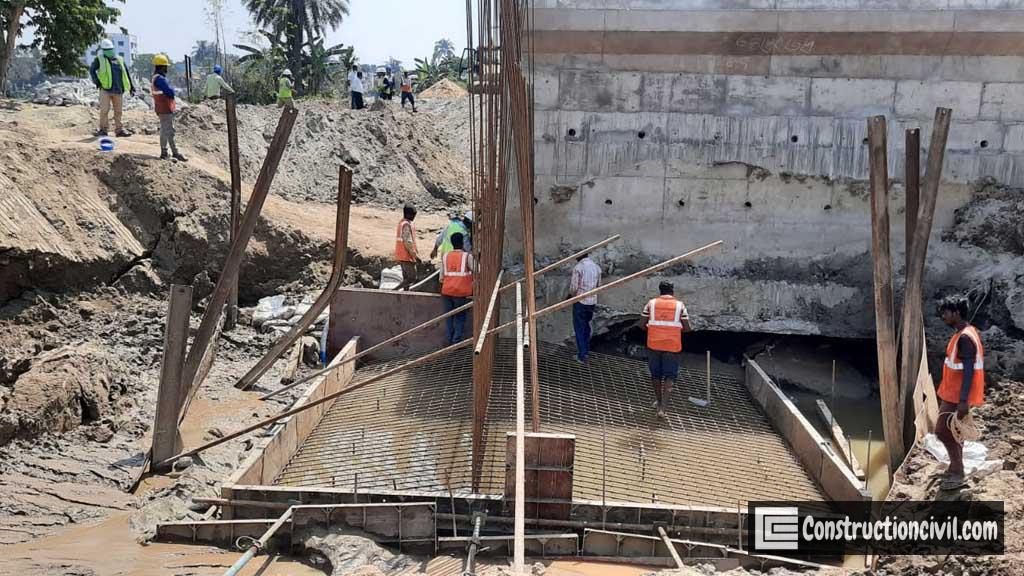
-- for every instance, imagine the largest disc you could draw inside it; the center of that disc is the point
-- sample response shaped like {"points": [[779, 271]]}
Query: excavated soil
{"points": [[89, 243]]}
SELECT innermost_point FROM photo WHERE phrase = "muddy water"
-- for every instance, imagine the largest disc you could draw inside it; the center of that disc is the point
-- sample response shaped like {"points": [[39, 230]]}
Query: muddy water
{"points": [[109, 548], [861, 420]]}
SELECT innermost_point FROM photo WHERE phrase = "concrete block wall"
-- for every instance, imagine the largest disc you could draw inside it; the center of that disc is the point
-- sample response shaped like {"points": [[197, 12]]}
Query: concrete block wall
{"points": [[680, 122]]}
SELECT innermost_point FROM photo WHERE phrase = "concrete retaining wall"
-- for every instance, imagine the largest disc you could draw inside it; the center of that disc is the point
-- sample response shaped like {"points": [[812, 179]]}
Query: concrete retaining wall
{"points": [[680, 122]]}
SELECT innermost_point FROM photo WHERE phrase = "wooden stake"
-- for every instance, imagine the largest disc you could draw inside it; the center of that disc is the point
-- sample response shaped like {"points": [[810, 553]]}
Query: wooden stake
{"points": [[229, 274], [166, 439], [912, 183], [913, 315], [839, 439], [892, 417], [236, 199], [320, 304]]}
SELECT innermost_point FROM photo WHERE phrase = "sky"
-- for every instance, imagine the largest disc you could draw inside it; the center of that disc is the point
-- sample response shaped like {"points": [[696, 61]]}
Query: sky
{"points": [[379, 29]]}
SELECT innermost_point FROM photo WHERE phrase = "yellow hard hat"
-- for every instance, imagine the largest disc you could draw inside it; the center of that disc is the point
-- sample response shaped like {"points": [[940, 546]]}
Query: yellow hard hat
{"points": [[161, 60]]}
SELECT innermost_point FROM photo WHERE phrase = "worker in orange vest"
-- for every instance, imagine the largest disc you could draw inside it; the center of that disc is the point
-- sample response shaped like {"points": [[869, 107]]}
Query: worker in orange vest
{"points": [[405, 248], [665, 320], [962, 386], [456, 286]]}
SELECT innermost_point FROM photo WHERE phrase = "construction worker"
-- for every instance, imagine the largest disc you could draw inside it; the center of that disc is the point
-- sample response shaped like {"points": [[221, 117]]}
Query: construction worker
{"points": [[962, 386], [456, 225], [357, 91], [284, 90], [164, 106], [353, 76], [586, 276], [665, 320], [456, 286], [405, 248], [110, 75], [215, 84], [407, 94]]}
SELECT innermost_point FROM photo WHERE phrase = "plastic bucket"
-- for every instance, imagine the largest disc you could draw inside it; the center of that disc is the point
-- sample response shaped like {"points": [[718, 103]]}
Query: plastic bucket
{"points": [[106, 144]]}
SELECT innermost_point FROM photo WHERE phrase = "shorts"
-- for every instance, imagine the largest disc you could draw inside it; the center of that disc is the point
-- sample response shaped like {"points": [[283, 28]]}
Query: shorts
{"points": [[663, 365]]}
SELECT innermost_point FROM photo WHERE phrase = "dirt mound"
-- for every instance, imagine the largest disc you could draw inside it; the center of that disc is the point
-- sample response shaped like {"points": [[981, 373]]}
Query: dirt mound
{"points": [[63, 389], [396, 158], [991, 220], [444, 89]]}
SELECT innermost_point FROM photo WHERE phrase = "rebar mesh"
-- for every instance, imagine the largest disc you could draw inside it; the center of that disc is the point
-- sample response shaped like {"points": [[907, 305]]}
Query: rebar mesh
{"points": [[412, 432]]}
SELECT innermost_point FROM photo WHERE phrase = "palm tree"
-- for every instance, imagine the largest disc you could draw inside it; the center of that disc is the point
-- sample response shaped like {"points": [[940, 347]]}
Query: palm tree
{"points": [[300, 21], [443, 49]]}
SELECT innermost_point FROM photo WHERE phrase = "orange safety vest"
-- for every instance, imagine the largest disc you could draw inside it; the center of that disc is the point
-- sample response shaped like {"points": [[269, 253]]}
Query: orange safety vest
{"points": [[664, 328], [458, 278], [953, 370], [401, 254], [161, 104]]}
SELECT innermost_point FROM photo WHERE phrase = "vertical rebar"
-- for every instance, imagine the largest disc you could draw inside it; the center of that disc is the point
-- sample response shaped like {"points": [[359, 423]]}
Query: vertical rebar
{"points": [[709, 376]]}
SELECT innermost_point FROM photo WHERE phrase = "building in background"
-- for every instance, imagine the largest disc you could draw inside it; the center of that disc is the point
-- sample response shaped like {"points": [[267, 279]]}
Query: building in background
{"points": [[126, 46]]}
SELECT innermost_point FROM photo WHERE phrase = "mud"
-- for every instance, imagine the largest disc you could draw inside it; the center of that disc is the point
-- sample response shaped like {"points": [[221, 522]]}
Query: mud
{"points": [[1002, 422]]}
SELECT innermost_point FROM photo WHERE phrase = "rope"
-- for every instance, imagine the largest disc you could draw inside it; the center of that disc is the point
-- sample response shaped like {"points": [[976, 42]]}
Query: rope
{"points": [[962, 430]]}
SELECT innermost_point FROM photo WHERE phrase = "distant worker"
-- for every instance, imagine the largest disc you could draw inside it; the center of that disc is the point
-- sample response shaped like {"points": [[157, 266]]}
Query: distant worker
{"points": [[111, 77], [586, 276], [962, 386], [405, 248], [357, 91], [384, 85], [456, 225], [353, 76], [285, 90], [456, 286], [164, 106], [215, 84], [665, 321], [407, 91]]}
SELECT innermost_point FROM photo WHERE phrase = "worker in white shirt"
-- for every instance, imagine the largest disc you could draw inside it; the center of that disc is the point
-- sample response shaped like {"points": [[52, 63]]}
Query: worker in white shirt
{"points": [[585, 277]]}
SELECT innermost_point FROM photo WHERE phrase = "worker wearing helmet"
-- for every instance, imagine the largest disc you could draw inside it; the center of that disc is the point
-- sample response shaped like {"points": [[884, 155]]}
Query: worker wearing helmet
{"points": [[164, 106], [110, 75], [285, 87], [456, 225], [215, 84]]}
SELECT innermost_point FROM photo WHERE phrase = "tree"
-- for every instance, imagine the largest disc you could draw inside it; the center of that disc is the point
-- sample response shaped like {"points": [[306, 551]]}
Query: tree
{"points": [[63, 30], [205, 53], [322, 64], [215, 10], [443, 49], [300, 21]]}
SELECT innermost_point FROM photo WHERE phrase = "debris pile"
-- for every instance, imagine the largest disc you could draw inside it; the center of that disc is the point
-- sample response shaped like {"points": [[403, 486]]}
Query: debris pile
{"points": [[83, 93]]}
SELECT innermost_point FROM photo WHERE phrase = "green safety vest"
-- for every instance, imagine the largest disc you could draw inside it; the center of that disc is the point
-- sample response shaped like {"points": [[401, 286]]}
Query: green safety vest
{"points": [[284, 87], [106, 77], [453, 228]]}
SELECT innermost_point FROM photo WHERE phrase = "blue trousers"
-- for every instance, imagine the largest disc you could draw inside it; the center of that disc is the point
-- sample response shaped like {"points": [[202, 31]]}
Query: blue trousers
{"points": [[455, 325], [582, 314]]}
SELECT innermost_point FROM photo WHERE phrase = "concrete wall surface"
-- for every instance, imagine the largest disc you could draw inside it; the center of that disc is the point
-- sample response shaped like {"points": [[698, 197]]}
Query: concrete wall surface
{"points": [[679, 122]]}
